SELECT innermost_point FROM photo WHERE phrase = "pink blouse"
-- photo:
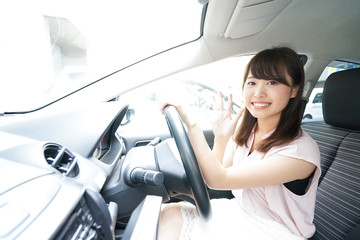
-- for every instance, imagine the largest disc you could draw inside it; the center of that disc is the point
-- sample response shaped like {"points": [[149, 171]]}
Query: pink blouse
{"points": [[277, 202]]}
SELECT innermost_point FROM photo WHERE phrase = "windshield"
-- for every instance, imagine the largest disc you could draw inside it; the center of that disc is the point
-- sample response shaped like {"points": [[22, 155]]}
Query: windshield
{"points": [[51, 48]]}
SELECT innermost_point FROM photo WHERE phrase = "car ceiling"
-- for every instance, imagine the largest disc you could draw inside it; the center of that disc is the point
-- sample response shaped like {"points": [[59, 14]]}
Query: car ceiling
{"points": [[324, 30]]}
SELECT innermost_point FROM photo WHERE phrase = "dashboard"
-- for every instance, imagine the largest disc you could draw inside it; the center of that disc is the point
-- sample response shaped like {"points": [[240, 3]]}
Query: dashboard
{"points": [[54, 169]]}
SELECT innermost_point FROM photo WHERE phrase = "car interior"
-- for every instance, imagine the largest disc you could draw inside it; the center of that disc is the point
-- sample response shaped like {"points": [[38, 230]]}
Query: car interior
{"points": [[95, 164]]}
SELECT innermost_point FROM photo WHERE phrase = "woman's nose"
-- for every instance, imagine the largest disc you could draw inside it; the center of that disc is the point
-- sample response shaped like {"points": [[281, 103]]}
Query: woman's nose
{"points": [[260, 90]]}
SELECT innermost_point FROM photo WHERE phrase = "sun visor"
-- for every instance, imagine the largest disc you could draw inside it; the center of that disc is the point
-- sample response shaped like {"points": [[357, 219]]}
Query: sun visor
{"points": [[252, 16]]}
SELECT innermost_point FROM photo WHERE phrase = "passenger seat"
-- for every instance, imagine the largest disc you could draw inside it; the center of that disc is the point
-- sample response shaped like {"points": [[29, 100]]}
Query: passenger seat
{"points": [[337, 210]]}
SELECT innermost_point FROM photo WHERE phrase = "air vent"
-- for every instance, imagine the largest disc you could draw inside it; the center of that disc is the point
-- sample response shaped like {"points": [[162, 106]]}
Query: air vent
{"points": [[61, 159]]}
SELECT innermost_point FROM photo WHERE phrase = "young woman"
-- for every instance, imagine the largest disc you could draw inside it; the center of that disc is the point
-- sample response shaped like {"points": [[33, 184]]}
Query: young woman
{"points": [[269, 163]]}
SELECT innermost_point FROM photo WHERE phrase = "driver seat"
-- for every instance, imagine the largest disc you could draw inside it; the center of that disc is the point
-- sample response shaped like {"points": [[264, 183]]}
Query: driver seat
{"points": [[337, 209]]}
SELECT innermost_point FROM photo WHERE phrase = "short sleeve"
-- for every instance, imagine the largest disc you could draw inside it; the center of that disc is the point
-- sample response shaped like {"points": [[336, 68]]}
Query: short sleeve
{"points": [[304, 148]]}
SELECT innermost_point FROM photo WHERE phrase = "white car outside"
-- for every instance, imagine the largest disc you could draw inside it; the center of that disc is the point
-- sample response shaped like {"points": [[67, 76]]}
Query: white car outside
{"points": [[313, 108]]}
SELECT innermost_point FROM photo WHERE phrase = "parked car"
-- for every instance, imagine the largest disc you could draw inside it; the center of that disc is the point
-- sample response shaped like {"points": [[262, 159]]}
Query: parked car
{"points": [[77, 129], [313, 108]]}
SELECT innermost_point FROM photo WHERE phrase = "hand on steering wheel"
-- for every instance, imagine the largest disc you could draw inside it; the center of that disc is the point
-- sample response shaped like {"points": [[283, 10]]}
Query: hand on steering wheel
{"points": [[194, 176]]}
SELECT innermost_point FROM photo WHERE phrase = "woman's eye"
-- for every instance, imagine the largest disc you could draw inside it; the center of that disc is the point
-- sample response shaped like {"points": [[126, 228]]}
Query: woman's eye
{"points": [[272, 83], [250, 83]]}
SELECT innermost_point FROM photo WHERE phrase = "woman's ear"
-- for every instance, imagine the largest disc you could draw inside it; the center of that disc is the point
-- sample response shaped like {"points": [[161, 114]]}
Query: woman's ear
{"points": [[294, 92]]}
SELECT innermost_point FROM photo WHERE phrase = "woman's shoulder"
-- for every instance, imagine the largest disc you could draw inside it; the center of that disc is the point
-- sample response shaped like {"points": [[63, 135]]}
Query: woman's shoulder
{"points": [[302, 147], [305, 139]]}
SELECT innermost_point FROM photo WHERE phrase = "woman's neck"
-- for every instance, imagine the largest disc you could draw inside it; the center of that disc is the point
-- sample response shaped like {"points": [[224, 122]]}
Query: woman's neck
{"points": [[266, 126]]}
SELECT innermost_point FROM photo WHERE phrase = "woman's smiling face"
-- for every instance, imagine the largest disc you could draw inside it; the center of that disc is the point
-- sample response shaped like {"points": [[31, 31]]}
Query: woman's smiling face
{"points": [[265, 99]]}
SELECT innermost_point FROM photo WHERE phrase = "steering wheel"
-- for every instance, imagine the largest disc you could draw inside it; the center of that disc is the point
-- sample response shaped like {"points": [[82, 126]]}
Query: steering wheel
{"points": [[193, 173]]}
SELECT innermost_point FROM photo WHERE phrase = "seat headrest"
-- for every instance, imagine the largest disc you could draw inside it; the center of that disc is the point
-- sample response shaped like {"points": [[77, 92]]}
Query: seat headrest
{"points": [[341, 99]]}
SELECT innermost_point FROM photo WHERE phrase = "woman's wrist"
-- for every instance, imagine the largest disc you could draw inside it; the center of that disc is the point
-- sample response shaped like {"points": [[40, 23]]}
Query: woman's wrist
{"points": [[221, 140], [192, 125]]}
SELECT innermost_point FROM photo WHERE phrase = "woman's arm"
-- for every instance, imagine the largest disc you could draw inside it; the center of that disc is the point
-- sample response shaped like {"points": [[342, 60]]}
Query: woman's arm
{"points": [[222, 150], [215, 165], [273, 170], [224, 154]]}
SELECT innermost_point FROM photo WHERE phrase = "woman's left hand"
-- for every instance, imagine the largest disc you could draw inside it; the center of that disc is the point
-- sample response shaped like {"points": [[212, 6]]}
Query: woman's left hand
{"points": [[223, 123]]}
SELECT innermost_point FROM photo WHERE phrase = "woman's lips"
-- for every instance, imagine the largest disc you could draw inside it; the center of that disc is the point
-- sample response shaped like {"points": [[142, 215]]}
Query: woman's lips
{"points": [[260, 105]]}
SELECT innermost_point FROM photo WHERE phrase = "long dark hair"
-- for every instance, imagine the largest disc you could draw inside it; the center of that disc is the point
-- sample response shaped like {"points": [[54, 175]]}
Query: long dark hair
{"points": [[275, 64]]}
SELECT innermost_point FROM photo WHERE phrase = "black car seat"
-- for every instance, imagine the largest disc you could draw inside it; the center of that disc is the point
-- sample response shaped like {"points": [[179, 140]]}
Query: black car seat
{"points": [[337, 210]]}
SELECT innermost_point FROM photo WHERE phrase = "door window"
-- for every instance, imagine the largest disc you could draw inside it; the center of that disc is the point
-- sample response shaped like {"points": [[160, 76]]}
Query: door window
{"points": [[313, 108]]}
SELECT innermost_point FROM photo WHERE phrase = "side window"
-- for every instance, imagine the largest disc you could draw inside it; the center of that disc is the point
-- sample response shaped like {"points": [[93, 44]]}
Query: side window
{"points": [[313, 108], [317, 98]]}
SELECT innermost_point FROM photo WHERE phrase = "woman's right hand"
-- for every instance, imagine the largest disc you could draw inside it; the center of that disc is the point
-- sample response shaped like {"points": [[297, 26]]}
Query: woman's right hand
{"points": [[185, 117]]}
